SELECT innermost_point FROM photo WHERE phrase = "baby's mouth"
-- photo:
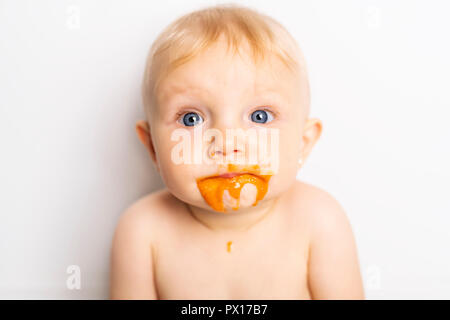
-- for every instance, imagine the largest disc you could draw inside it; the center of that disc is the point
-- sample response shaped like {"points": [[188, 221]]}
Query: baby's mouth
{"points": [[212, 188], [232, 174], [232, 170]]}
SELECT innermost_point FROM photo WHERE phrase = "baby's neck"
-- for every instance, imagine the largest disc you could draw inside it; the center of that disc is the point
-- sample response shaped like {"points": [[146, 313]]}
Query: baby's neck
{"points": [[240, 220]]}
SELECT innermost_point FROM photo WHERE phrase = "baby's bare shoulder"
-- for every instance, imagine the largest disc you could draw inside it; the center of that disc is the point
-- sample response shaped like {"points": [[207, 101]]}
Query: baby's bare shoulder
{"points": [[149, 214], [135, 244], [331, 243], [316, 207]]}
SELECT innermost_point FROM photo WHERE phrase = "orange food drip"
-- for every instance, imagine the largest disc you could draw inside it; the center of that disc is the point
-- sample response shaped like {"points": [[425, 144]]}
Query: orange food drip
{"points": [[229, 243], [212, 188]]}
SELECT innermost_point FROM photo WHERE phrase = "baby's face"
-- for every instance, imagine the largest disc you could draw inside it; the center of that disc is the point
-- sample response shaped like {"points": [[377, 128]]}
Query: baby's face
{"points": [[219, 91]]}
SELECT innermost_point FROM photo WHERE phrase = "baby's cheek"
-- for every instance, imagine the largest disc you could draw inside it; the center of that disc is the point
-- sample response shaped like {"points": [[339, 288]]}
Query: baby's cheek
{"points": [[178, 178]]}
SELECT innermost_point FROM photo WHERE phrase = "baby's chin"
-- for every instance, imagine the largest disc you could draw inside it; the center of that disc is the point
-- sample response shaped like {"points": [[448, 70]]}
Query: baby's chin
{"points": [[247, 198]]}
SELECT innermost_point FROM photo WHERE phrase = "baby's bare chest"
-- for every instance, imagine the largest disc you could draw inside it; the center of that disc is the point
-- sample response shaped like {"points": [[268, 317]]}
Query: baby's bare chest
{"points": [[253, 266]]}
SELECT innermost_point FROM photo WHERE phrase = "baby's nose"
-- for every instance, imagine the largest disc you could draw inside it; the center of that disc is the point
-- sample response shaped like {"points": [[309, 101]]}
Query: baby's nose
{"points": [[220, 153], [227, 147]]}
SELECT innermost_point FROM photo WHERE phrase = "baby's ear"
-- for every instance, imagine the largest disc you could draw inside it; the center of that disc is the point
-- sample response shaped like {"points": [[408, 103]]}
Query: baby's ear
{"points": [[144, 135], [311, 133]]}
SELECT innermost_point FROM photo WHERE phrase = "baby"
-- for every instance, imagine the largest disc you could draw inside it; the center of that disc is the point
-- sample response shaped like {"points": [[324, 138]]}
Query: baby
{"points": [[233, 222]]}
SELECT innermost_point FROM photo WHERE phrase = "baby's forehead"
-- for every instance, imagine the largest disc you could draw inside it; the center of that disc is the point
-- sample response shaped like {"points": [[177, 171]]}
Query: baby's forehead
{"points": [[226, 79]]}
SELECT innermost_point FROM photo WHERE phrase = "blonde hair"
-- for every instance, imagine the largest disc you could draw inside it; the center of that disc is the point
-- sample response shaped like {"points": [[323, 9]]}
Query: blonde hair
{"points": [[194, 32]]}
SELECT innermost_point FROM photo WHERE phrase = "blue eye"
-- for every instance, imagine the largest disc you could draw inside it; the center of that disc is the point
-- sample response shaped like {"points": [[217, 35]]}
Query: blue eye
{"points": [[191, 119], [261, 116]]}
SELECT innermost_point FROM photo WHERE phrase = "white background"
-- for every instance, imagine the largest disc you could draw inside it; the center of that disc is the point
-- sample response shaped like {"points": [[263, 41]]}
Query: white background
{"points": [[70, 73]]}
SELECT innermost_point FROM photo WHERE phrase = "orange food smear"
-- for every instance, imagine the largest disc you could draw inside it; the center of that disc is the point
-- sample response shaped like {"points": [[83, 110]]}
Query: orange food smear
{"points": [[212, 188], [229, 243]]}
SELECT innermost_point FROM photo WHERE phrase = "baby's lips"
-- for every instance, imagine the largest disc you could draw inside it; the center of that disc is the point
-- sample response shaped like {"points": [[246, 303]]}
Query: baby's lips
{"points": [[255, 169], [229, 175]]}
